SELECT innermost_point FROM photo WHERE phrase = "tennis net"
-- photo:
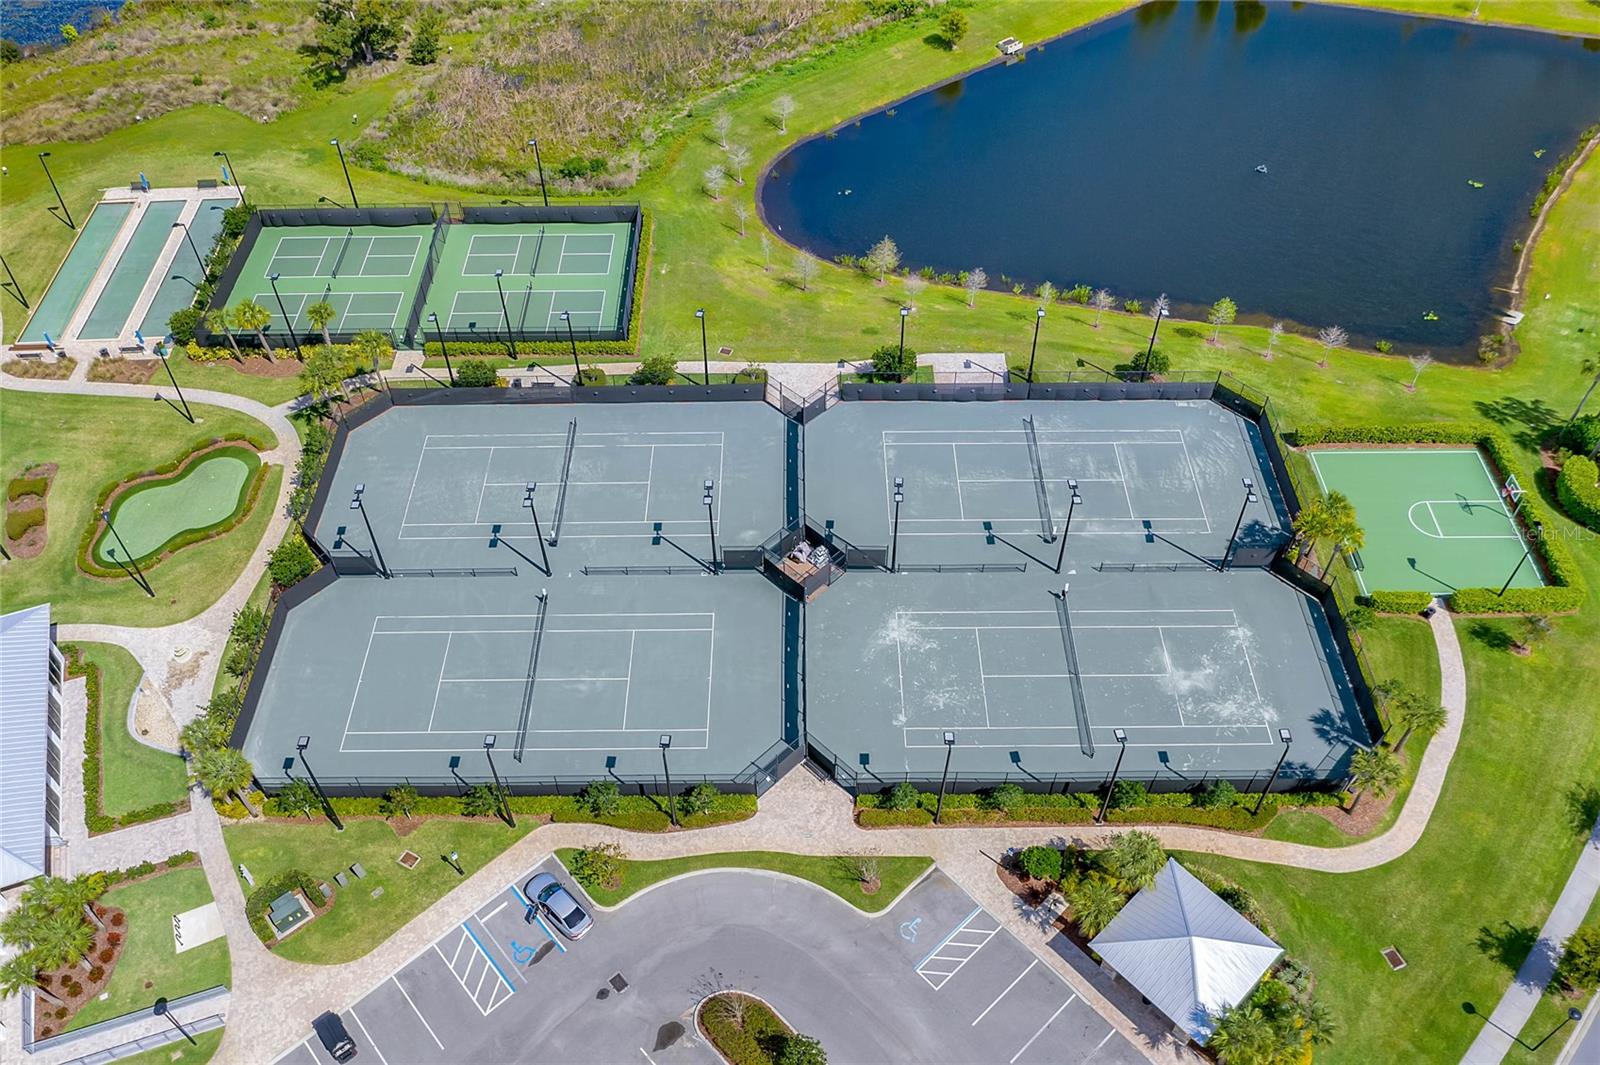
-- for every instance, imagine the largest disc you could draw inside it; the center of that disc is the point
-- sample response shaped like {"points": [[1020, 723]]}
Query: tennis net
{"points": [[1038, 481], [1080, 708], [566, 472], [533, 673], [349, 235]]}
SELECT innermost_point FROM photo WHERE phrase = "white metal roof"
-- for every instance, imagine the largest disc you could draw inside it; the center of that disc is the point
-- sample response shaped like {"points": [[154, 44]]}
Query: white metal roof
{"points": [[1187, 951], [24, 732]]}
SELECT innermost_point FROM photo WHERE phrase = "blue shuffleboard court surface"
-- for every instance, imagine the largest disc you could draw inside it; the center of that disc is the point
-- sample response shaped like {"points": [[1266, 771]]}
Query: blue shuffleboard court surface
{"points": [[177, 288], [66, 290]]}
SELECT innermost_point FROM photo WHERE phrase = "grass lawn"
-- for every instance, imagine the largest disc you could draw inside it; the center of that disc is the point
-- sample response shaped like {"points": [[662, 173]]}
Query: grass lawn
{"points": [[148, 956], [180, 1053], [895, 874], [133, 776], [1550, 1012], [1566, 16], [225, 376], [357, 922], [97, 440]]}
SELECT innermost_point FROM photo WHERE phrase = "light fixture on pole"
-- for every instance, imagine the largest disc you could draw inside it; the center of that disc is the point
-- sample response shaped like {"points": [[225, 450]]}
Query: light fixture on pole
{"points": [[1285, 739], [163, 1008], [705, 355], [1526, 553], [448, 369], [1249, 497], [288, 324], [501, 797], [233, 176], [1122, 749], [42, 157], [527, 501], [533, 142], [165, 356], [672, 802], [577, 374], [905, 312], [505, 312], [1038, 320], [105, 516], [1149, 351], [949, 749], [190, 238], [347, 182], [327, 807], [1072, 503], [357, 504], [16, 289], [709, 500], [894, 536]]}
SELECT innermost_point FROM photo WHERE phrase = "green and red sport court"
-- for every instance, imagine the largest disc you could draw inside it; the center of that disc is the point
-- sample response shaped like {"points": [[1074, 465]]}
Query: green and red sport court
{"points": [[1436, 519]]}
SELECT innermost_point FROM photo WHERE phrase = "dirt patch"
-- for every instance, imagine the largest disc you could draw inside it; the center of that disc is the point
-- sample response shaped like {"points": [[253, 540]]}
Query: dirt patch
{"points": [[74, 986], [1027, 889], [260, 366], [123, 371], [1365, 820]]}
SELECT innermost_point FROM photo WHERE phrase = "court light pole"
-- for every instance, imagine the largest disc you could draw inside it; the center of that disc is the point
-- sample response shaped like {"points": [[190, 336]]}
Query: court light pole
{"points": [[711, 522], [949, 749], [527, 501], [1122, 749], [499, 788], [533, 142], [166, 360], [1526, 551], [894, 536], [511, 347], [1249, 497], [105, 516], [42, 157], [233, 176], [448, 369], [705, 356], [1038, 320], [905, 312], [356, 504], [346, 167], [11, 283], [672, 802], [1285, 739], [1149, 351], [190, 238], [1072, 503], [163, 1008], [287, 324], [327, 807], [576, 372]]}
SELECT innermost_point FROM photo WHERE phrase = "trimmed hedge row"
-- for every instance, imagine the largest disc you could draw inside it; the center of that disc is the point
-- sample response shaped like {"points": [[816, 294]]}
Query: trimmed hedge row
{"points": [[144, 869], [95, 819], [27, 486], [636, 813], [260, 900], [1076, 808], [1578, 488], [1399, 602], [18, 522], [1567, 590]]}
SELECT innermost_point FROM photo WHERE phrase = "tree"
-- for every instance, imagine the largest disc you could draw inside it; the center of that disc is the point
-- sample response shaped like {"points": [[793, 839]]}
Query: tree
{"points": [[291, 561], [74, 895], [204, 733], [976, 280], [699, 799], [1422, 716], [600, 865], [657, 368], [60, 938], [250, 317], [884, 258], [372, 345], [353, 31], [1418, 364], [1223, 312], [1046, 292], [484, 800], [1347, 531], [1095, 901], [69, 32], [1102, 301], [319, 314], [1274, 331], [1374, 769], [952, 27], [425, 37], [782, 108], [800, 1049], [1136, 858], [399, 801], [721, 123], [1535, 627], [1331, 337], [321, 373], [742, 213], [806, 269], [1040, 863], [915, 286], [716, 179], [602, 797], [224, 770], [766, 252], [20, 972], [890, 362], [1590, 368], [475, 373], [738, 159], [10, 51], [217, 318], [1244, 1035], [298, 797], [1579, 967], [1160, 308]]}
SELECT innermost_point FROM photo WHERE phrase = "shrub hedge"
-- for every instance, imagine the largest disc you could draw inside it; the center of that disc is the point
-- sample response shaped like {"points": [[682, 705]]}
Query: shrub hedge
{"points": [[27, 486], [747, 1045], [638, 813], [1578, 488], [18, 522], [1566, 591], [260, 900], [1398, 602], [291, 561], [144, 869], [1076, 808]]}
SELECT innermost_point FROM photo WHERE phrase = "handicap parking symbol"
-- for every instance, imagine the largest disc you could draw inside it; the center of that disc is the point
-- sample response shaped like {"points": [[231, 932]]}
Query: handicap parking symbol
{"points": [[908, 929], [520, 954]]}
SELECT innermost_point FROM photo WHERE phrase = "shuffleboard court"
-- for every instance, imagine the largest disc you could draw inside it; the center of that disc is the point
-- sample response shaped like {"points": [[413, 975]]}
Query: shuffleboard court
{"points": [[109, 317], [1435, 519], [66, 289]]}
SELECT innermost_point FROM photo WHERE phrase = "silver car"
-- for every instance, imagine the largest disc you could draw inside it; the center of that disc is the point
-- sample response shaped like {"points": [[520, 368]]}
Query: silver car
{"points": [[545, 892]]}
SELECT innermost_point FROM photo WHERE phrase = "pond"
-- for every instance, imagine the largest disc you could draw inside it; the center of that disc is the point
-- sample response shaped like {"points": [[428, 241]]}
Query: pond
{"points": [[1401, 158]]}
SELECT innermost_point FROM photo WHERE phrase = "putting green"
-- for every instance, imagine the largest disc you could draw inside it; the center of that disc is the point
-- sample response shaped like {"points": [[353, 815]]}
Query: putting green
{"points": [[201, 495]]}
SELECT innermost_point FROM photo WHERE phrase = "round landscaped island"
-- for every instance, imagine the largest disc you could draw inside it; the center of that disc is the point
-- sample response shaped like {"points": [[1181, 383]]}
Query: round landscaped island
{"points": [[206, 494]]}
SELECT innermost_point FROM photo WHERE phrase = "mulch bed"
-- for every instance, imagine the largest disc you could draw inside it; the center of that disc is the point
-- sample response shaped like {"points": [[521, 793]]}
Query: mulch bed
{"points": [[123, 371], [1369, 812], [72, 984], [40, 370], [32, 542]]}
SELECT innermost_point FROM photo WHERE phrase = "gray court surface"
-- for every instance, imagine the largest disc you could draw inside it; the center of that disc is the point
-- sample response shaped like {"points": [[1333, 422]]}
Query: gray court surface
{"points": [[935, 979], [405, 678]]}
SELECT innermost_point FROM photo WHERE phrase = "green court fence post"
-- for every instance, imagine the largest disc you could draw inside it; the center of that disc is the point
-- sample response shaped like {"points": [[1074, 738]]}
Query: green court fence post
{"points": [[347, 182], [1122, 749], [42, 157], [233, 176]]}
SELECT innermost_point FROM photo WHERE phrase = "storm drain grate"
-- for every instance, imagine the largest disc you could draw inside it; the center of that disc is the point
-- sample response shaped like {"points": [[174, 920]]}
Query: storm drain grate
{"points": [[1393, 956]]}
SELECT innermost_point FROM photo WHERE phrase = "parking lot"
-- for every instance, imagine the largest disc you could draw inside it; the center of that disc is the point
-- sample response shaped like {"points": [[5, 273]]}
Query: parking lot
{"points": [[934, 979]]}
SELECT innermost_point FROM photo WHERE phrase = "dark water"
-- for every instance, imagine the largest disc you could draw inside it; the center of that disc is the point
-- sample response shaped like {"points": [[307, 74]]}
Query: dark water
{"points": [[1125, 156], [40, 21]]}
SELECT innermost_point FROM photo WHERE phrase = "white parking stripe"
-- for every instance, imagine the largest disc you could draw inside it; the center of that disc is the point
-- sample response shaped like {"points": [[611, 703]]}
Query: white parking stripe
{"points": [[1006, 992], [1042, 1027], [371, 1041], [1106, 1040], [413, 1005], [306, 1046]]}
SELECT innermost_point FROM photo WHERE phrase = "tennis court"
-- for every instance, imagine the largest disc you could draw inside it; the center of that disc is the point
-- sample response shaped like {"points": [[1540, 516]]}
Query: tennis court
{"points": [[1435, 518]]}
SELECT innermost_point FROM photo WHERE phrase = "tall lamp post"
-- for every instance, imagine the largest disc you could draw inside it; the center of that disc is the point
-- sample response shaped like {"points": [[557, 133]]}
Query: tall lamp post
{"points": [[333, 815], [287, 322], [709, 499], [1149, 351], [672, 801], [11, 283], [705, 355], [1072, 503], [356, 504], [166, 360], [1038, 320], [233, 176], [42, 157], [1285, 739], [1249, 497], [527, 501], [190, 238], [1122, 749], [163, 1008], [448, 369], [949, 749], [105, 516], [499, 788], [511, 347], [905, 312], [346, 167], [577, 374], [1520, 563], [894, 536], [533, 142]]}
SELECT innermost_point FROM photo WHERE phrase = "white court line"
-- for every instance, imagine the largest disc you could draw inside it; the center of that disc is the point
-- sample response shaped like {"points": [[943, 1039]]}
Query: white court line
{"points": [[647, 1057], [1116, 449], [354, 1016], [413, 1005], [977, 641], [1004, 993], [1042, 1027], [633, 638], [360, 675], [439, 684]]}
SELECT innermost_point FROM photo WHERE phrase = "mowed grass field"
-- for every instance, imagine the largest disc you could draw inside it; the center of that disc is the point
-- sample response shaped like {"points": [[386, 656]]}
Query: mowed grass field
{"points": [[132, 775]]}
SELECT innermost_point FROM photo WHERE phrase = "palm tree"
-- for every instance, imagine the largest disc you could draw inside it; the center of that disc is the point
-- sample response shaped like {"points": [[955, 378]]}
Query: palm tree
{"points": [[217, 318], [373, 344], [1313, 522], [1245, 1036], [1374, 769], [224, 770], [1347, 531], [63, 938], [203, 734], [251, 317], [398, 801], [1316, 1021], [76, 895], [319, 314], [1423, 716], [1095, 901], [18, 973], [298, 797], [1136, 857], [1590, 368], [322, 373]]}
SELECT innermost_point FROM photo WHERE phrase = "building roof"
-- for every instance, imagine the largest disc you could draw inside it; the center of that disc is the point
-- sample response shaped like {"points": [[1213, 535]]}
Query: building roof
{"points": [[24, 733], [1188, 952]]}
